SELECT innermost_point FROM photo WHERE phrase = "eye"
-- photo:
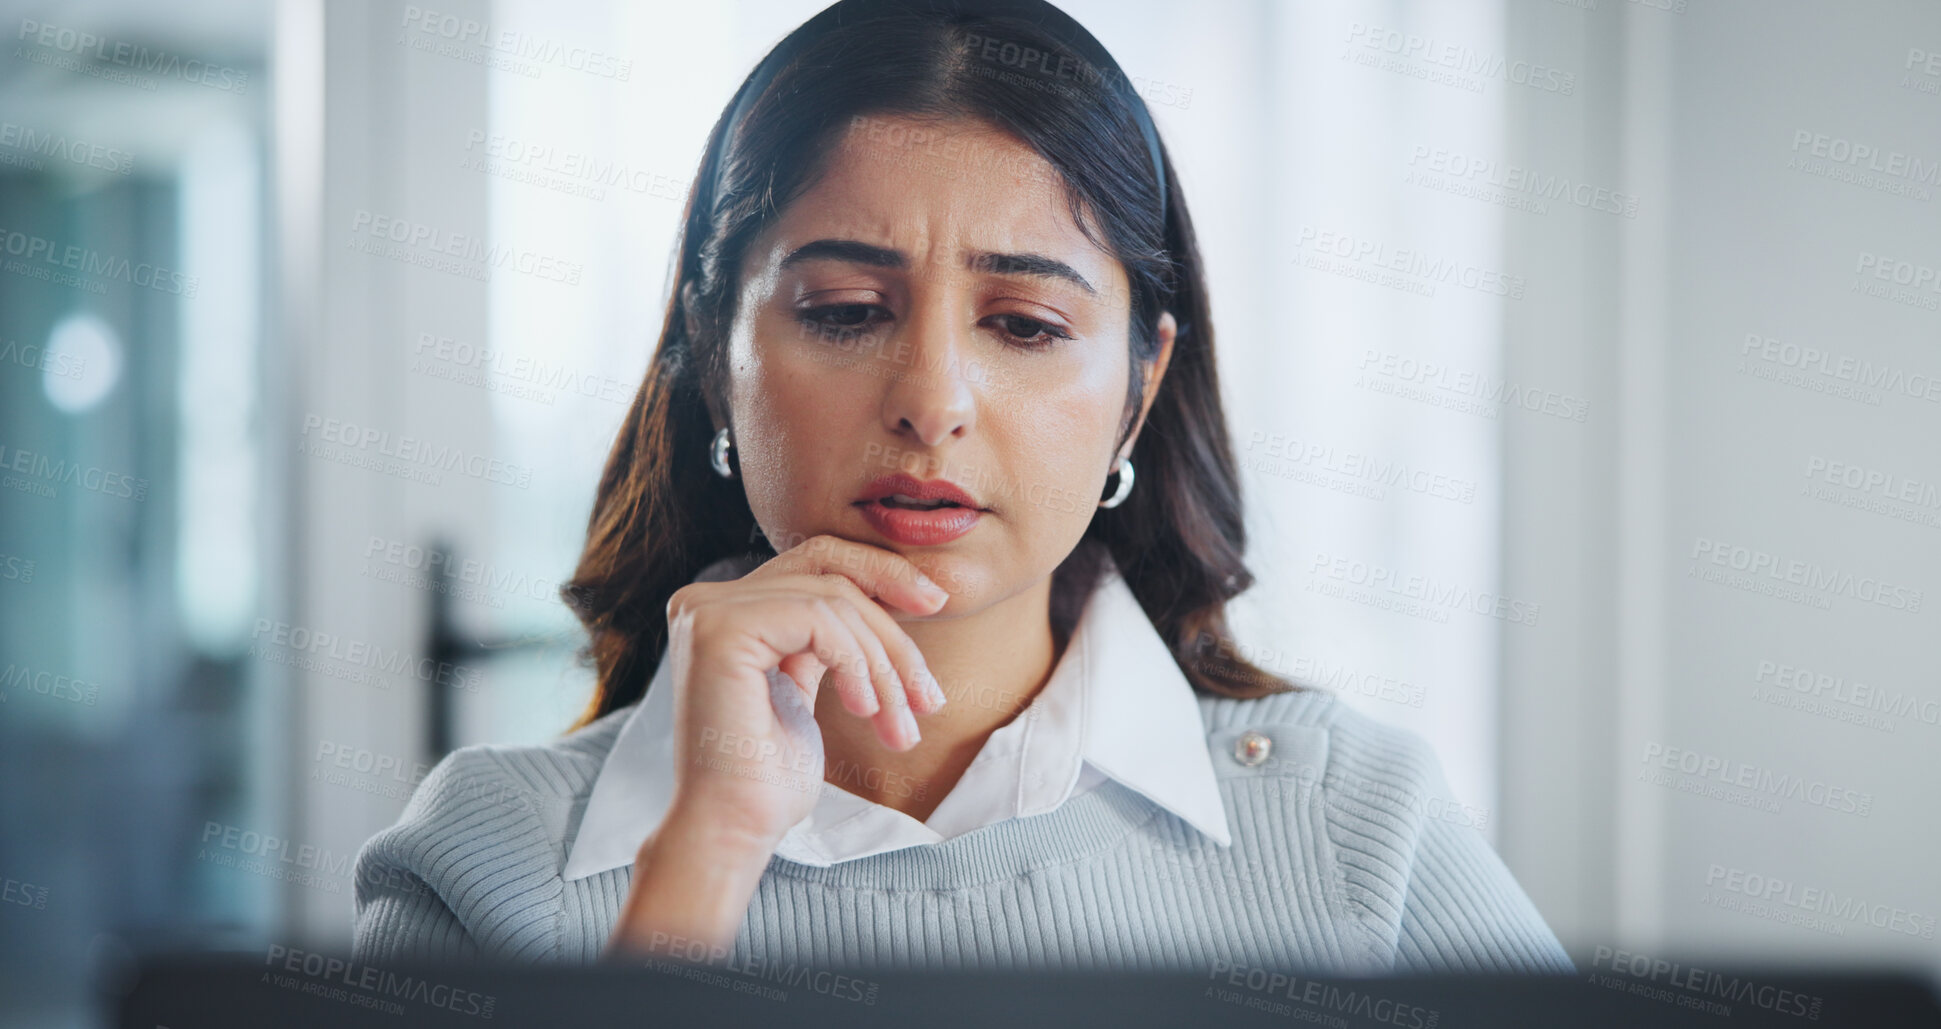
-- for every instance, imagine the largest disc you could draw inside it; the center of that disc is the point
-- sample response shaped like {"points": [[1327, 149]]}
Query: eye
{"points": [[1031, 333], [1022, 331], [837, 316]]}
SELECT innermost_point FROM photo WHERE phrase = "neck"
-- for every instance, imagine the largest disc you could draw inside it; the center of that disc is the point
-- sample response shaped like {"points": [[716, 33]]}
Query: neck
{"points": [[991, 665]]}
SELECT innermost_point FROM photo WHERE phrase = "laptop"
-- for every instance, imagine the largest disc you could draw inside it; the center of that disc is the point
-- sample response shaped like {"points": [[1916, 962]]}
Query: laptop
{"points": [[288, 988]]}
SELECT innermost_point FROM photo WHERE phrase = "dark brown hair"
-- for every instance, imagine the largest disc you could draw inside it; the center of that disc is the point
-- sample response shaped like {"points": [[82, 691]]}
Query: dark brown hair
{"points": [[661, 514]]}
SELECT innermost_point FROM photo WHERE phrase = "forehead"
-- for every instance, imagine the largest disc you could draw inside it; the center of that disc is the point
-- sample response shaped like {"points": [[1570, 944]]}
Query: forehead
{"points": [[937, 189]]}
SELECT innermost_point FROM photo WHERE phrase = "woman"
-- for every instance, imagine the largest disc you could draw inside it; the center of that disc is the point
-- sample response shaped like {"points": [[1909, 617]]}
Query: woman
{"points": [[896, 664]]}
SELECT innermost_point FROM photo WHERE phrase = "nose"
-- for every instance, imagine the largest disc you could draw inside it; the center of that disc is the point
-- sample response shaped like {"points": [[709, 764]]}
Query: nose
{"points": [[929, 396]]}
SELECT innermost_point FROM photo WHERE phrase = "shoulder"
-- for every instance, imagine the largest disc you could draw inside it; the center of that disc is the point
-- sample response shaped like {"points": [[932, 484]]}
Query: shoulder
{"points": [[497, 782], [1384, 779], [1408, 858], [484, 833], [1321, 741]]}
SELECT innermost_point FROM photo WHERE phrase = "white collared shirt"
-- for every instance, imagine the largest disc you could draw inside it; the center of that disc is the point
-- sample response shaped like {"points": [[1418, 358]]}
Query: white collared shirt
{"points": [[1117, 705]]}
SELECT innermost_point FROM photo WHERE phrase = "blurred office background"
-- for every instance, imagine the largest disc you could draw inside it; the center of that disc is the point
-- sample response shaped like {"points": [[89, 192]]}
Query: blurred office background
{"points": [[1582, 357]]}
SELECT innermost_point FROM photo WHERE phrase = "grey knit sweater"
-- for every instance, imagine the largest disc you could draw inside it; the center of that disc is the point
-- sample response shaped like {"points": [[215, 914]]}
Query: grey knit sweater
{"points": [[1348, 856]]}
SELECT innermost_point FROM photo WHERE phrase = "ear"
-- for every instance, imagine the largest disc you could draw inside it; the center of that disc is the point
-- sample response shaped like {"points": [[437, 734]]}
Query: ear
{"points": [[1155, 373]]}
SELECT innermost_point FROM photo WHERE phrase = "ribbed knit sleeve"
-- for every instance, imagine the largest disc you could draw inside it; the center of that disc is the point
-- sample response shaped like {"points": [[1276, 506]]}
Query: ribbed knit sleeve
{"points": [[1465, 912], [1416, 864], [468, 869]]}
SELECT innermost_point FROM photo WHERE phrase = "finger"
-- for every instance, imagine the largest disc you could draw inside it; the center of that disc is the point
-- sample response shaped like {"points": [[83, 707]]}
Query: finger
{"points": [[802, 634], [834, 643], [883, 574], [806, 671], [895, 723], [920, 687]]}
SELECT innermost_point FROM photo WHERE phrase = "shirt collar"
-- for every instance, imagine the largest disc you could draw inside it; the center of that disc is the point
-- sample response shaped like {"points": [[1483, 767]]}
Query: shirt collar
{"points": [[1137, 719]]}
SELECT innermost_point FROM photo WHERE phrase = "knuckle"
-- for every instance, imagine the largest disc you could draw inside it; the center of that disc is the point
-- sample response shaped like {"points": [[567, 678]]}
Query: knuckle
{"points": [[682, 614], [834, 581], [846, 587]]}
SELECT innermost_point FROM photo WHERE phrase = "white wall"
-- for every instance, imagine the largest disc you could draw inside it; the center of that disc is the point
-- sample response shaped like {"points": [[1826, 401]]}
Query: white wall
{"points": [[1698, 446]]}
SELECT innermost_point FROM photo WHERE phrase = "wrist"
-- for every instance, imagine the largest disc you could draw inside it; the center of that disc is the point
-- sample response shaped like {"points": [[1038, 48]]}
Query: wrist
{"points": [[692, 827], [692, 881]]}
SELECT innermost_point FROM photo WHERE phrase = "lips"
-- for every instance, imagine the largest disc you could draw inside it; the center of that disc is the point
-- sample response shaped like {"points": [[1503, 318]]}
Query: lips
{"points": [[918, 512]]}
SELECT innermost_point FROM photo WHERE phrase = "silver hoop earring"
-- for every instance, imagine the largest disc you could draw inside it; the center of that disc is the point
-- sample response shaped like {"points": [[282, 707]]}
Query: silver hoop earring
{"points": [[718, 454], [1125, 485]]}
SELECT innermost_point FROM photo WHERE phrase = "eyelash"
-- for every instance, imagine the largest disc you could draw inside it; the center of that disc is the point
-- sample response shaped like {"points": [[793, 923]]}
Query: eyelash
{"points": [[812, 316]]}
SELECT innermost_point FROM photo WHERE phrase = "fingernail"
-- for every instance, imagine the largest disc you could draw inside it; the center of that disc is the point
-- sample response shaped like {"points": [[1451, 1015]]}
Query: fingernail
{"points": [[909, 723], [932, 689]]}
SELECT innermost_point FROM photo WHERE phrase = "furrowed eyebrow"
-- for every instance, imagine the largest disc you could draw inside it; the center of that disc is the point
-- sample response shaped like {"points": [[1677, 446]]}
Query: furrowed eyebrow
{"points": [[1028, 264], [870, 255]]}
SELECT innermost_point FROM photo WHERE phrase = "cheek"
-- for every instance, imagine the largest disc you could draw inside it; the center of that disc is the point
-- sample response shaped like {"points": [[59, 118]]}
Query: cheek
{"points": [[788, 432], [1063, 419], [807, 427], [1055, 447]]}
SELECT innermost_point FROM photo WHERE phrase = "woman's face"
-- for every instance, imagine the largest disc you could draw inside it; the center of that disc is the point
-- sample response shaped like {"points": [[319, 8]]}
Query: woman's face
{"points": [[928, 307]]}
